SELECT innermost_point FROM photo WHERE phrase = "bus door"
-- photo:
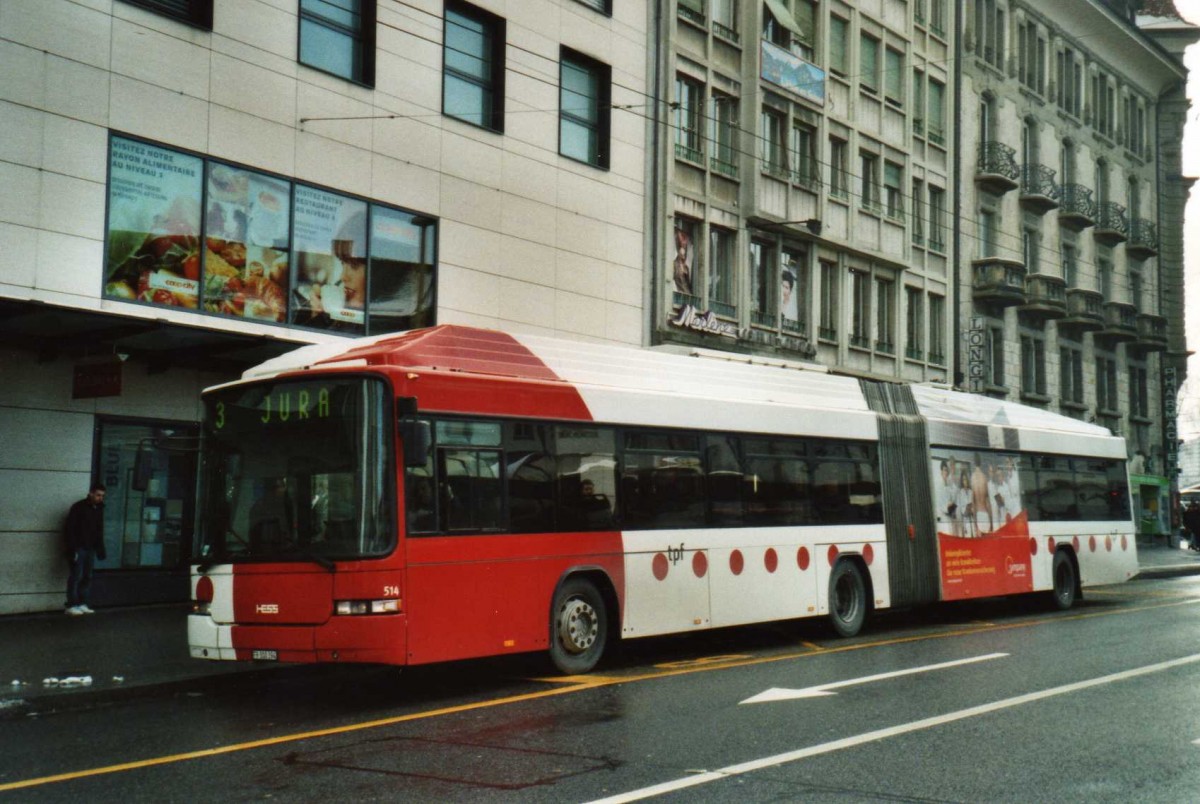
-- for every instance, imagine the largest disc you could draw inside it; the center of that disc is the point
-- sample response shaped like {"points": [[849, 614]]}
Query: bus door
{"points": [[913, 569]]}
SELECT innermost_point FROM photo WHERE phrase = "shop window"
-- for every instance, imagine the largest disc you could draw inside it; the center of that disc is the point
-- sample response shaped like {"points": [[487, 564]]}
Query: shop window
{"points": [[151, 527]]}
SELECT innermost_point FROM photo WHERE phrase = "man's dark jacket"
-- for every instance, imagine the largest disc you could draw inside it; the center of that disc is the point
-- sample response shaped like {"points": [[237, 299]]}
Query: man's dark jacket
{"points": [[85, 528]]}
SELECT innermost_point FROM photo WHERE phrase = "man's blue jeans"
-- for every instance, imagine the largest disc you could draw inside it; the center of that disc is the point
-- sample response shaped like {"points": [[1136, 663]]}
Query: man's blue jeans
{"points": [[79, 581]]}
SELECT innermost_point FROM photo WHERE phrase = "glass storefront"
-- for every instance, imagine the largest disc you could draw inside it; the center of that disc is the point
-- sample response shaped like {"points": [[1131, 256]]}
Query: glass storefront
{"points": [[148, 529]]}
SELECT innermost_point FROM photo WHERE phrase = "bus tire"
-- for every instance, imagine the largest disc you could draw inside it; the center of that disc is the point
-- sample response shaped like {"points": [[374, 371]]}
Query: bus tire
{"points": [[578, 626], [847, 599], [1065, 581]]}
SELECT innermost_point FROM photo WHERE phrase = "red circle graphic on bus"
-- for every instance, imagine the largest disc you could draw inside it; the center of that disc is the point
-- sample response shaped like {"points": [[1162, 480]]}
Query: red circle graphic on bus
{"points": [[1050, 544], [1033, 546], [1092, 543], [1124, 542], [700, 564], [1108, 544], [771, 560], [868, 554], [660, 567], [833, 554], [1075, 543], [802, 558], [736, 562]]}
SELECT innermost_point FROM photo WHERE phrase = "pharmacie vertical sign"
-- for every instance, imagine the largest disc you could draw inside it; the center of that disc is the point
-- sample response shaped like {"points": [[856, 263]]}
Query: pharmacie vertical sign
{"points": [[1170, 392]]}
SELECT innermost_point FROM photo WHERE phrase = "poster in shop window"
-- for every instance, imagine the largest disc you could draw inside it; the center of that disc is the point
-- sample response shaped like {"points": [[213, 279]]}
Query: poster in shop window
{"points": [[330, 244], [153, 236], [246, 265]]}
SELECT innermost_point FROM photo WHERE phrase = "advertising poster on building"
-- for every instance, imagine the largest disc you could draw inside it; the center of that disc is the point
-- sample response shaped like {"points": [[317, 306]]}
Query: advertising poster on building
{"points": [[983, 528], [401, 271], [153, 237], [246, 266], [330, 244], [789, 297], [685, 260]]}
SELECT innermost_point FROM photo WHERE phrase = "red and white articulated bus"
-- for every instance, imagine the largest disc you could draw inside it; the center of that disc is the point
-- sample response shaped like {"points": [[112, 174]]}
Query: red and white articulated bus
{"points": [[454, 492]]}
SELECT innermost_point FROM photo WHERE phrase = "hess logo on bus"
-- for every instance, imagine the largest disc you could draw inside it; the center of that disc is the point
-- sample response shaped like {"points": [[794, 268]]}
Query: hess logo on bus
{"points": [[267, 608]]}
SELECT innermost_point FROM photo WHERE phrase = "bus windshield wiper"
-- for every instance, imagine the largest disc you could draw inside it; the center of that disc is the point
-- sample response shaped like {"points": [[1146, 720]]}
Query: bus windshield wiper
{"points": [[306, 555]]}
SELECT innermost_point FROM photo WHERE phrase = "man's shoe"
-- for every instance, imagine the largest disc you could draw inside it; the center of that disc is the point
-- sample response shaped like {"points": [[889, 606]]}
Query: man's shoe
{"points": [[74, 611], [84, 609]]}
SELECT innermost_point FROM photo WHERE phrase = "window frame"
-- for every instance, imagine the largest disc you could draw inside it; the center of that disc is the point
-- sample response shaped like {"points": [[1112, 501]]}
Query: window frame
{"points": [[198, 14], [494, 32], [602, 105], [363, 69]]}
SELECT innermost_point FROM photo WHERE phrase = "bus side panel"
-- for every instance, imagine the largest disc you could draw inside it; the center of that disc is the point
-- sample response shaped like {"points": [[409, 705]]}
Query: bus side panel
{"points": [[1105, 552], [471, 596]]}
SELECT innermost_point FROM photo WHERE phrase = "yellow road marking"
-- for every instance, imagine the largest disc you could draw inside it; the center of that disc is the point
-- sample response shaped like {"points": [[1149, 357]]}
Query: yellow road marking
{"points": [[592, 682]]}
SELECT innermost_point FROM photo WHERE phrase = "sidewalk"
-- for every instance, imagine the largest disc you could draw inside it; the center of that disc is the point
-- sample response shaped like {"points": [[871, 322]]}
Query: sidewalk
{"points": [[126, 648]]}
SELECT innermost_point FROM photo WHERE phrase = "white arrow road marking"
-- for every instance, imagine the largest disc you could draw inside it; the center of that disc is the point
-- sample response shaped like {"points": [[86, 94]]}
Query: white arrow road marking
{"points": [[784, 694], [892, 731]]}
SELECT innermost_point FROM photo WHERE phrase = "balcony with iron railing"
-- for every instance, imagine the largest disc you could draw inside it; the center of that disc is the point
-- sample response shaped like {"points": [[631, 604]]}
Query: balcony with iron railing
{"points": [[997, 170], [1120, 324], [1152, 333], [1112, 227], [1085, 312], [999, 282], [1046, 297], [723, 167], [1040, 193], [1076, 209], [1143, 239], [725, 32]]}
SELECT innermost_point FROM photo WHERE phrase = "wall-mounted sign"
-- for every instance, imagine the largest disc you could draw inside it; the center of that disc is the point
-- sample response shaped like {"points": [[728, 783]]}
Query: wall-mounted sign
{"points": [[793, 73], [691, 318], [93, 380]]}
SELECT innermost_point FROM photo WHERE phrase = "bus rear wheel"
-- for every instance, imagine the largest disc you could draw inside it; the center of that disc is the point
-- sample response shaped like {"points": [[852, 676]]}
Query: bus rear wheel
{"points": [[847, 599], [578, 627], [1065, 582]]}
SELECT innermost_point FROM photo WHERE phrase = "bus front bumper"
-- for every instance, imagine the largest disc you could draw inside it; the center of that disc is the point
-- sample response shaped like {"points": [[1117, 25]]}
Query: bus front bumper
{"points": [[371, 639]]}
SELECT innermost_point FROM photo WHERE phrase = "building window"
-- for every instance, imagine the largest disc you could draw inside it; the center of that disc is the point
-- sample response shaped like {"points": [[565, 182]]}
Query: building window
{"points": [[584, 109], [1135, 289], [893, 187], [869, 176], [1031, 55], [914, 347], [1033, 365], [684, 265], [1070, 82], [194, 12], [689, 98], [603, 6], [839, 36], [793, 290], [1139, 392], [723, 157], [937, 218], [724, 19], [692, 10], [1068, 264], [918, 102], [1070, 373], [989, 32], [804, 156], [774, 157], [893, 76], [764, 280], [1106, 385], [935, 121], [839, 178], [473, 67], [860, 308], [868, 63], [937, 329], [1031, 243], [339, 38], [1104, 267], [150, 528], [987, 232], [828, 327], [1067, 157], [273, 251], [721, 290], [937, 17], [995, 367], [918, 212], [885, 316]]}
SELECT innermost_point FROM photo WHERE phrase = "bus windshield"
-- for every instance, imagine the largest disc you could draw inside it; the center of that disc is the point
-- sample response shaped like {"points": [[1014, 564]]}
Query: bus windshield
{"points": [[296, 471]]}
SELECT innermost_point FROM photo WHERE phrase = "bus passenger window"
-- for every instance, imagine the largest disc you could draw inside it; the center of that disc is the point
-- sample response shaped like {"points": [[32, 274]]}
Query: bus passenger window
{"points": [[662, 485], [724, 481], [586, 477], [470, 493]]}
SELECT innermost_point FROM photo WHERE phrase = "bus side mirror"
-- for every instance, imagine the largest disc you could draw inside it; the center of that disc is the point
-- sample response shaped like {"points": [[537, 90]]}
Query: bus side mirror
{"points": [[143, 468], [418, 438]]}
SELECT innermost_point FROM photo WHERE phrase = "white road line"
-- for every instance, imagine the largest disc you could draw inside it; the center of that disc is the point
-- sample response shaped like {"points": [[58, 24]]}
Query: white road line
{"points": [[784, 694], [893, 731]]}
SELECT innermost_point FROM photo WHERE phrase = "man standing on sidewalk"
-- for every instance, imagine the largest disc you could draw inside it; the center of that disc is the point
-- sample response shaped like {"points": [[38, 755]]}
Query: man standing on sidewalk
{"points": [[84, 536]]}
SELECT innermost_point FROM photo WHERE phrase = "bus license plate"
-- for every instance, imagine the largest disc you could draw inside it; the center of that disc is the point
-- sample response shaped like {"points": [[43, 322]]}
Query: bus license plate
{"points": [[265, 655]]}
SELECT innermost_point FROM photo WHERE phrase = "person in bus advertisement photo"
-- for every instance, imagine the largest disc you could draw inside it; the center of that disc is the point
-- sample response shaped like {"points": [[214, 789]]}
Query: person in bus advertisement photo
{"points": [[83, 537]]}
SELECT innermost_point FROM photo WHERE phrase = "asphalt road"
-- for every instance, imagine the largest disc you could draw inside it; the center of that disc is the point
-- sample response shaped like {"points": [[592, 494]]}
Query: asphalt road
{"points": [[989, 701]]}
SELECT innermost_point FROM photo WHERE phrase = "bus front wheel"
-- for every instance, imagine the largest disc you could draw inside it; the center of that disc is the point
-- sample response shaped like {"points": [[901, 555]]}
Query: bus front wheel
{"points": [[578, 627], [847, 599], [1065, 583]]}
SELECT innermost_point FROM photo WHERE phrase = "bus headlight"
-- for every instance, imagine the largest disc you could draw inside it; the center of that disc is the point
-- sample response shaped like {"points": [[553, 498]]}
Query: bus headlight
{"points": [[344, 607]]}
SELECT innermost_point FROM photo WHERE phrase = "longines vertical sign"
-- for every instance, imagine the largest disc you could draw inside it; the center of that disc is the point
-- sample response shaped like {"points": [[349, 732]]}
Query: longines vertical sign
{"points": [[1170, 390], [976, 355]]}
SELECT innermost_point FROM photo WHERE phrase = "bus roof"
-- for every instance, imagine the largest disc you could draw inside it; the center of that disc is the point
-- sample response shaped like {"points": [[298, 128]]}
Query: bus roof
{"points": [[681, 384]]}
